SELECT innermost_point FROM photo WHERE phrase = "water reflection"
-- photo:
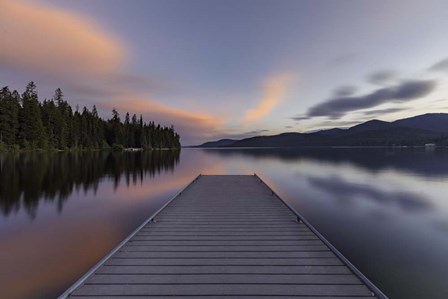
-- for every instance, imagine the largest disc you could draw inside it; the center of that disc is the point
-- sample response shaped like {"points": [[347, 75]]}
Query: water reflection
{"points": [[27, 178], [386, 210], [414, 160], [336, 186]]}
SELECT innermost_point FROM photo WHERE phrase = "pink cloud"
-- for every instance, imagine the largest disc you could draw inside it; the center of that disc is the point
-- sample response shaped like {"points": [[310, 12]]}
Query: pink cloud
{"points": [[273, 92], [55, 42], [192, 126]]}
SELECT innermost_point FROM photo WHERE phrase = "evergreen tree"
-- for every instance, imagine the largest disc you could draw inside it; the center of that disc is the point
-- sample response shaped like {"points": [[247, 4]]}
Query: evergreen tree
{"points": [[51, 119], [32, 130], [116, 134], [129, 131], [63, 119], [9, 110]]}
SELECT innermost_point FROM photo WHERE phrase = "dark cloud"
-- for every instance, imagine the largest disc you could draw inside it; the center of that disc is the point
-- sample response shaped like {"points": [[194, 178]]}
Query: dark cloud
{"points": [[344, 91], [300, 117], [255, 132], [381, 77], [440, 66], [337, 107], [288, 127], [384, 111]]}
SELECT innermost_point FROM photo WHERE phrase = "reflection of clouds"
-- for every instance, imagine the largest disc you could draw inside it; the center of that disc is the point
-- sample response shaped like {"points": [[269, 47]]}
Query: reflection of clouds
{"points": [[441, 225], [415, 161], [337, 186]]}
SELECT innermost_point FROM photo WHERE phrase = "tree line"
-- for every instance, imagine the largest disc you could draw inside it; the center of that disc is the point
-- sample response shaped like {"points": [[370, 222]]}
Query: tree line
{"points": [[26, 123]]}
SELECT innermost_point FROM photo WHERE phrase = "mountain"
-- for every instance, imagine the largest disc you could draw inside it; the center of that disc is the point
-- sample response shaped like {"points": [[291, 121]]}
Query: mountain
{"points": [[371, 125], [437, 122], [332, 132], [417, 130], [219, 143]]}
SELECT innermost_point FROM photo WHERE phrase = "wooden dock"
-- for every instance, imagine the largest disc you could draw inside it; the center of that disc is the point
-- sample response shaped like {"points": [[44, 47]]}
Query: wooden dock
{"points": [[225, 237]]}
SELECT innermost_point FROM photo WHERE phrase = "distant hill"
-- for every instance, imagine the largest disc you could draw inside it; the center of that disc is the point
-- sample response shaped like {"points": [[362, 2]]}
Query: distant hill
{"points": [[437, 122], [413, 131], [332, 132], [371, 125], [219, 143]]}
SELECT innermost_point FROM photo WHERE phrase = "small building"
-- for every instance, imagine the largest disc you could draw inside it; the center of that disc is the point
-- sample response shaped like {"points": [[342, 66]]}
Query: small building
{"points": [[430, 146]]}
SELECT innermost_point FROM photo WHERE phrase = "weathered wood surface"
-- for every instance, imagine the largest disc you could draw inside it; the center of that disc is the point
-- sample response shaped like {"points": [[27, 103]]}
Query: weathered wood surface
{"points": [[224, 237]]}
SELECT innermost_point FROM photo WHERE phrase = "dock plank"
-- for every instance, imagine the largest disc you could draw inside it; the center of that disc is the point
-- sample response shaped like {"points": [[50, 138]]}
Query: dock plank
{"points": [[224, 269], [224, 279], [228, 289], [221, 297], [223, 237], [224, 254], [223, 261]]}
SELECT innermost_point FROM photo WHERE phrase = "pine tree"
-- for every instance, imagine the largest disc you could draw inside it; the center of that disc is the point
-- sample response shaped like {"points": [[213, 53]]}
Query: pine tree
{"points": [[9, 109], [116, 135], [62, 119], [32, 130], [51, 120], [129, 131]]}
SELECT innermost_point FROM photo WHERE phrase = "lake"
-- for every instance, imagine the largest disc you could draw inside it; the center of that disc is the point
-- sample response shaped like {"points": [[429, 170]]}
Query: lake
{"points": [[386, 210]]}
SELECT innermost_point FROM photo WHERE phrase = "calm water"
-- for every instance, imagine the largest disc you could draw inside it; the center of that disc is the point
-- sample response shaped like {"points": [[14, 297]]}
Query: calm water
{"points": [[386, 210]]}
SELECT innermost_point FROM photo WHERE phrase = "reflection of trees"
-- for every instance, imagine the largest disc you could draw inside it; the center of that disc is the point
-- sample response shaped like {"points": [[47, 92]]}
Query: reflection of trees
{"points": [[29, 177]]}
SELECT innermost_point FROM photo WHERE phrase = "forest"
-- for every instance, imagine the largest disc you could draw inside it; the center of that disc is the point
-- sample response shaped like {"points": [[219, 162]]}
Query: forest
{"points": [[29, 124]]}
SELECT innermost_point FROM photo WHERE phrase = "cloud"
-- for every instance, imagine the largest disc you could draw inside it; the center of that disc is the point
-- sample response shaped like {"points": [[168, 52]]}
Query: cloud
{"points": [[381, 77], [55, 42], [300, 117], [273, 92], [442, 65], [384, 111], [187, 123], [338, 106], [344, 91]]}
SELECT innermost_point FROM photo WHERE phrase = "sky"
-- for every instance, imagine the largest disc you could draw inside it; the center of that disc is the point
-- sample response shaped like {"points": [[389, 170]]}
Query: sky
{"points": [[232, 69]]}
